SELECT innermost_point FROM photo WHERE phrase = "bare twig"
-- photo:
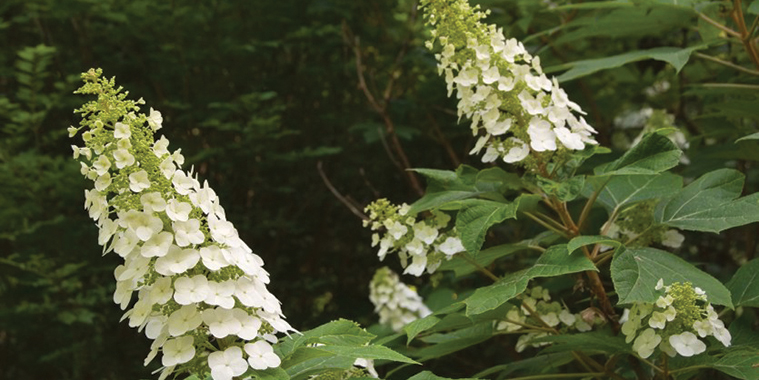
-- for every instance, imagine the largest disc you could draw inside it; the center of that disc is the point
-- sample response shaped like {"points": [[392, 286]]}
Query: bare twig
{"points": [[355, 210], [381, 107], [726, 63]]}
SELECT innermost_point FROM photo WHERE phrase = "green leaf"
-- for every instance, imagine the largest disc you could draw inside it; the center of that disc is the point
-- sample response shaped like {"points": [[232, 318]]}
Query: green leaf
{"points": [[266, 374], [594, 341], [675, 56], [367, 352], [474, 220], [538, 364], [485, 257], [636, 271], [753, 8], [420, 325], [466, 182], [454, 341], [710, 204], [653, 154], [753, 136], [566, 190], [427, 375], [621, 191], [341, 332], [744, 286], [553, 262], [306, 361], [581, 241], [743, 364]]}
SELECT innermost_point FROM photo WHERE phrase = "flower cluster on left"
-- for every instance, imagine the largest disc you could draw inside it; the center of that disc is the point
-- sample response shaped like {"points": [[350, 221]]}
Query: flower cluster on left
{"points": [[201, 291]]}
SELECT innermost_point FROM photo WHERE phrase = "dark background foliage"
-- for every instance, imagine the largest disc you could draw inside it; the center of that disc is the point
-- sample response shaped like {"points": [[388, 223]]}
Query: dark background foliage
{"points": [[264, 99]]}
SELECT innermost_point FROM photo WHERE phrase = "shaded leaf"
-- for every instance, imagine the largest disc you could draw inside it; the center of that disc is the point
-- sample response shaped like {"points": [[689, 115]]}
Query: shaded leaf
{"points": [[623, 190], [476, 216], [420, 325], [553, 262], [635, 272], [744, 286], [675, 56], [710, 204], [654, 153], [593, 341], [581, 241]]}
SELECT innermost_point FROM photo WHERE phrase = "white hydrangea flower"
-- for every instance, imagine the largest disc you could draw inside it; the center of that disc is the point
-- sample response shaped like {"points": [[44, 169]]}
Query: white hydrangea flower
{"points": [[485, 74], [227, 364], [175, 241], [646, 343], [664, 322], [687, 344], [261, 355], [396, 303]]}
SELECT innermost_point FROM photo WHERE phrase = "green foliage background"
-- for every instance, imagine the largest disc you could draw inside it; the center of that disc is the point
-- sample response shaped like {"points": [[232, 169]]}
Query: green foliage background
{"points": [[259, 93]]}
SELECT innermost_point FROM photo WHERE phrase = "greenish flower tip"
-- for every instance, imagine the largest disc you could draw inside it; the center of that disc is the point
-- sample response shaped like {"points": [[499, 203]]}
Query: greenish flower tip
{"points": [[674, 323]]}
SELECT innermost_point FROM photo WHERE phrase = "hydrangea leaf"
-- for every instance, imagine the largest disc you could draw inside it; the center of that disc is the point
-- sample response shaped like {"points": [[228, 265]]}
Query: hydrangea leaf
{"points": [[581, 241], [538, 365], [654, 154], [340, 332], [589, 342], [675, 56], [744, 286], [276, 373], [553, 262], [448, 343], [445, 186], [635, 272], [566, 190], [307, 361], [485, 257], [420, 325], [741, 364], [624, 190], [373, 352], [476, 216], [710, 204]]}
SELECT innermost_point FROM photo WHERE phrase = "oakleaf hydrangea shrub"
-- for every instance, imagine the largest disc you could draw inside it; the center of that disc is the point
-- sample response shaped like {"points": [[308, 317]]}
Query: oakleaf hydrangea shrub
{"points": [[201, 291], [604, 289]]}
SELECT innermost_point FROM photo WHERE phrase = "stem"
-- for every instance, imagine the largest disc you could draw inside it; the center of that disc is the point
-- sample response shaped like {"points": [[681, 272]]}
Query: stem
{"points": [[479, 267], [726, 63], [652, 365], [731, 85], [546, 225], [745, 35], [719, 26], [589, 204]]}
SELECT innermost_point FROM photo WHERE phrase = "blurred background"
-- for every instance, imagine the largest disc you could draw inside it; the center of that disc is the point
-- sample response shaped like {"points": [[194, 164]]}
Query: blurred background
{"points": [[298, 113]]}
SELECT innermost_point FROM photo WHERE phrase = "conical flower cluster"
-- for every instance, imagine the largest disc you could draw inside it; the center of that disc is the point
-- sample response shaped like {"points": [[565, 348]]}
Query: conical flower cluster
{"points": [[514, 107], [674, 322], [396, 303], [201, 292], [424, 241]]}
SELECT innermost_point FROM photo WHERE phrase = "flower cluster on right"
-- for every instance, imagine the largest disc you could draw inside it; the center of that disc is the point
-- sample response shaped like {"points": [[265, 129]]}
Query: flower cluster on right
{"points": [[552, 314], [423, 241], [674, 323], [501, 87]]}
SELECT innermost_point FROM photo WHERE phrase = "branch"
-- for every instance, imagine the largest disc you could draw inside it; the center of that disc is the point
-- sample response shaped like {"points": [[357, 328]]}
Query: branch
{"points": [[337, 194]]}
